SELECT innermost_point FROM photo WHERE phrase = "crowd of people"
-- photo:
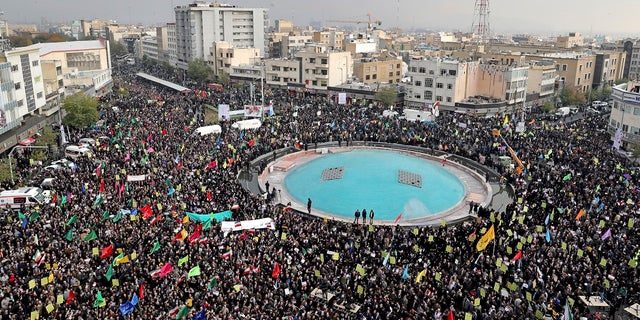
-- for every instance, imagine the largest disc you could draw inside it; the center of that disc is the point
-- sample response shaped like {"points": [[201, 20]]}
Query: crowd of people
{"points": [[111, 247]]}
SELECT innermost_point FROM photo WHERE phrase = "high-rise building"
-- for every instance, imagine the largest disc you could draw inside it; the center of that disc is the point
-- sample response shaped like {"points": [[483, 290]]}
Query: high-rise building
{"points": [[199, 25]]}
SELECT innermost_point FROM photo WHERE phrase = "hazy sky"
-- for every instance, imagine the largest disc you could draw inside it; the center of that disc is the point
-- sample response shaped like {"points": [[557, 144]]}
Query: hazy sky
{"points": [[507, 16]]}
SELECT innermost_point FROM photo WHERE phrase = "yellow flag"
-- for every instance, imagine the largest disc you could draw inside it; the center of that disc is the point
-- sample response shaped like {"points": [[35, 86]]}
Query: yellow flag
{"points": [[486, 238], [420, 275]]}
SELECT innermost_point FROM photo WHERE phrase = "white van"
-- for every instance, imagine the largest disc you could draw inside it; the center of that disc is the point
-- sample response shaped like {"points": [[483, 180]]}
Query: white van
{"points": [[203, 131], [76, 152], [247, 124], [27, 196], [87, 142]]}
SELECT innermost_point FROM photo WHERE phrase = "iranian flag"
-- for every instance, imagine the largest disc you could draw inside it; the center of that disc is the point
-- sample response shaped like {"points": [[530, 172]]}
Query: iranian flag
{"points": [[567, 311]]}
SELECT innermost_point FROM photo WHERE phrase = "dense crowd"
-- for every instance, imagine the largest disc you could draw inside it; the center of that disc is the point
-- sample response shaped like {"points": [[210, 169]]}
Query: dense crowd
{"points": [[105, 246]]}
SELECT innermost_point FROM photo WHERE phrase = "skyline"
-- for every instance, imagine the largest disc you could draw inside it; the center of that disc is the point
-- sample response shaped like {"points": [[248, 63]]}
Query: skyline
{"points": [[590, 18]]}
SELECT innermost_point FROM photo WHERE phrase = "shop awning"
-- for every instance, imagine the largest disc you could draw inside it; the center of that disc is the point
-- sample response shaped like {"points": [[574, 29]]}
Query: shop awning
{"points": [[27, 141]]}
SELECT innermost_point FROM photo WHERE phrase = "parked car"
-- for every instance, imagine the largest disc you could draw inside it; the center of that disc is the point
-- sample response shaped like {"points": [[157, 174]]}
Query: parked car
{"points": [[64, 162]]}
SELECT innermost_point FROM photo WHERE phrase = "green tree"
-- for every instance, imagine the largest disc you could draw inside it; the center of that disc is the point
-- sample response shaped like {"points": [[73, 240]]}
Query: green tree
{"points": [[81, 110], [48, 137], [223, 78], [199, 71], [570, 97], [166, 66], [387, 96], [117, 49], [5, 170], [547, 106], [621, 81]]}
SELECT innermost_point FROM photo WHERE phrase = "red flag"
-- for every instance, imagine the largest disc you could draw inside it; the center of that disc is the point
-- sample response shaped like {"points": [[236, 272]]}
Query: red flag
{"points": [[203, 241], [98, 170], [194, 236], [518, 256], [243, 236], [251, 143], [106, 252], [163, 271], [179, 165], [398, 218], [164, 132], [450, 317], [183, 234], [71, 297], [472, 236], [55, 198], [209, 195], [276, 271], [212, 164], [227, 254], [147, 212], [101, 185], [156, 219], [141, 291]]}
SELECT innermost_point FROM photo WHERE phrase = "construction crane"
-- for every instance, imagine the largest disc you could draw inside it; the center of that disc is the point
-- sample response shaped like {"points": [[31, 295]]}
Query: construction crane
{"points": [[519, 166], [370, 23]]}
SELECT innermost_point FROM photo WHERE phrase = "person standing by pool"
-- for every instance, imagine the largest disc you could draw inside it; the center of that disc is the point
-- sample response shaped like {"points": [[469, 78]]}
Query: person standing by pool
{"points": [[309, 205], [357, 215], [364, 216], [370, 216]]}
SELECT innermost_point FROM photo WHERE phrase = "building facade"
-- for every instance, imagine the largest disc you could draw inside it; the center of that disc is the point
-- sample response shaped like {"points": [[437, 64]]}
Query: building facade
{"points": [[436, 80], [331, 37], [625, 113], [223, 56], [199, 25], [378, 70], [324, 68], [575, 69], [542, 81]]}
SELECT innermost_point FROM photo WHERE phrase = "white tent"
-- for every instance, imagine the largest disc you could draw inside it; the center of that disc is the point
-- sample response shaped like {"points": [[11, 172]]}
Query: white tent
{"points": [[247, 124], [203, 131]]}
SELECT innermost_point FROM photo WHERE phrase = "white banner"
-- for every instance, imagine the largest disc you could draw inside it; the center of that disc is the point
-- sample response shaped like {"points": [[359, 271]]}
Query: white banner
{"points": [[140, 177], [229, 226], [253, 111], [342, 98], [223, 112]]}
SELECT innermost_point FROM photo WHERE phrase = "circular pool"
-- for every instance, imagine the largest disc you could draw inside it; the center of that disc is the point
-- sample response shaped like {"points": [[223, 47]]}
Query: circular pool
{"points": [[391, 183]]}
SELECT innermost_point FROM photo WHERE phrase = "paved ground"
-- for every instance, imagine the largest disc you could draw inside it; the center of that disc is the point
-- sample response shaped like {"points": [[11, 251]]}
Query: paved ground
{"points": [[475, 187]]}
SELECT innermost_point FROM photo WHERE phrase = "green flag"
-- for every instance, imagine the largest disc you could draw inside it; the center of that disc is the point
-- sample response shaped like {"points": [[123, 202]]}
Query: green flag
{"points": [[120, 256], [213, 283], [69, 235], [91, 236], [100, 302], [117, 217], [567, 177], [182, 313], [156, 247], [195, 271], [34, 215], [21, 216], [99, 200], [63, 200], [183, 260], [72, 220], [207, 224], [105, 215], [109, 273]]}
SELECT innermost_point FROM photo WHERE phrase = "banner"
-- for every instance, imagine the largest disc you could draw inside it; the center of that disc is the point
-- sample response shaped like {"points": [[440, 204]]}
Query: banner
{"points": [[229, 226], [206, 217], [253, 111], [223, 112], [342, 98], [140, 177], [617, 139]]}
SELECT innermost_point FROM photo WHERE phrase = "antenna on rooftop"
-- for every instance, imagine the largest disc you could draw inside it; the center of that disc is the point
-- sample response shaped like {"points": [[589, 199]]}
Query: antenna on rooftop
{"points": [[480, 28]]}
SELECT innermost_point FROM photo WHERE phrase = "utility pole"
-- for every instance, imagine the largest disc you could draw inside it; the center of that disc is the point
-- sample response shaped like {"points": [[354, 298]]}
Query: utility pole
{"points": [[262, 72]]}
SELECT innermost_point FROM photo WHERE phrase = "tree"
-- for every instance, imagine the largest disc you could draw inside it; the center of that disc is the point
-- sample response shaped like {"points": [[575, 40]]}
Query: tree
{"points": [[166, 66], [223, 78], [621, 81], [387, 95], [117, 49], [547, 106], [81, 110], [47, 138], [570, 97], [198, 71]]}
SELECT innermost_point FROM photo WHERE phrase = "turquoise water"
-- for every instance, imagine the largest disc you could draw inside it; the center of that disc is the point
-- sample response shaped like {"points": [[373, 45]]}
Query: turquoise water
{"points": [[371, 182]]}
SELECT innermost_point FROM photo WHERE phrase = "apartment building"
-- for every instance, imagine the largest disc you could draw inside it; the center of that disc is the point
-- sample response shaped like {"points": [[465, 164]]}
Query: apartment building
{"points": [[147, 46], [283, 72], [495, 80], [290, 44], [331, 37], [171, 43], [542, 81], [223, 56], [436, 80], [199, 25], [53, 86], [21, 85], [321, 68], [384, 69], [572, 40], [575, 69], [624, 121]]}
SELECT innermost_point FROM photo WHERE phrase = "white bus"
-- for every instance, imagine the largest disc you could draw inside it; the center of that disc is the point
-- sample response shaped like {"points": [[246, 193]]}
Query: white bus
{"points": [[27, 196]]}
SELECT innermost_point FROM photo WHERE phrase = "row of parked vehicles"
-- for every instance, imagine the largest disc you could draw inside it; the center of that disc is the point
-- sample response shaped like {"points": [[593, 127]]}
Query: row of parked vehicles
{"points": [[41, 194]]}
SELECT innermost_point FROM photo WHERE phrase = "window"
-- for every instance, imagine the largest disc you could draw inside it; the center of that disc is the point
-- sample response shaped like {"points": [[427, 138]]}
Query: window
{"points": [[17, 86], [39, 95], [21, 103], [439, 85], [391, 74], [414, 69], [391, 67], [428, 95], [323, 61], [367, 77], [428, 82], [453, 72], [636, 111], [422, 70], [14, 67], [443, 72], [374, 68], [580, 68], [449, 86], [448, 99], [35, 63], [564, 67], [431, 72], [438, 98], [418, 83], [367, 69], [375, 76]]}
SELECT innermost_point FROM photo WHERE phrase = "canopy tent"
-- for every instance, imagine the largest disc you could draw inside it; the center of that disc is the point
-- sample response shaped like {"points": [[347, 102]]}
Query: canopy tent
{"points": [[165, 83]]}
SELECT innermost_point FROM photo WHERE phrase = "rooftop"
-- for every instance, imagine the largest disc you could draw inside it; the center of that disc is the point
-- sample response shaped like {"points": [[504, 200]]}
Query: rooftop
{"points": [[46, 48]]}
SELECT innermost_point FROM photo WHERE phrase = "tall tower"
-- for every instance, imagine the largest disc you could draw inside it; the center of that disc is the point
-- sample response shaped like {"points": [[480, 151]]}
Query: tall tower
{"points": [[480, 27]]}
